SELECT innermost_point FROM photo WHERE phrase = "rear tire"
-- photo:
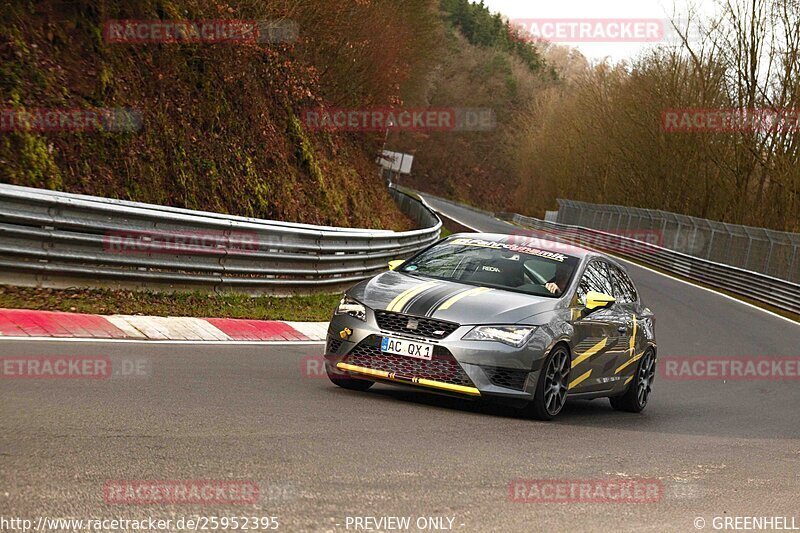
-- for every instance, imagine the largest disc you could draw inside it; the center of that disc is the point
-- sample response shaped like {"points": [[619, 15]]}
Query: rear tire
{"points": [[553, 384], [341, 379], [635, 398]]}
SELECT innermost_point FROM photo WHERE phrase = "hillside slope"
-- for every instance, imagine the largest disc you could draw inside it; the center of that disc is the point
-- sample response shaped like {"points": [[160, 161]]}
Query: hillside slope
{"points": [[219, 122]]}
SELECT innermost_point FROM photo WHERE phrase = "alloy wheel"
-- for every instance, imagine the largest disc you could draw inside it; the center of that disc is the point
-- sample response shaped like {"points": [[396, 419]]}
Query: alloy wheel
{"points": [[647, 371], [556, 381]]}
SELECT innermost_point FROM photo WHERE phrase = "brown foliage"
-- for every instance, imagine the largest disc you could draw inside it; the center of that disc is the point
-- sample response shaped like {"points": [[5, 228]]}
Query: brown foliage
{"points": [[220, 129], [599, 137]]}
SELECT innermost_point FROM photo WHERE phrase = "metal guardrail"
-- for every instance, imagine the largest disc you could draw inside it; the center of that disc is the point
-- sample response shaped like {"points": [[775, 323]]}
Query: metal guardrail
{"points": [[55, 239], [770, 252], [779, 293]]}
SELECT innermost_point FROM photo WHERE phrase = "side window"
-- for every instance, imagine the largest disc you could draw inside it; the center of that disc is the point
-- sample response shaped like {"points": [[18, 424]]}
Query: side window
{"points": [[619, 287], [626, 291], [595, 278]]}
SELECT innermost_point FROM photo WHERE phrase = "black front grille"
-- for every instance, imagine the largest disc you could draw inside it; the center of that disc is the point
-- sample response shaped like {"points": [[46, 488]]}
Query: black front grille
{"points": [[442, 367], [424, 327], [506, 377]]}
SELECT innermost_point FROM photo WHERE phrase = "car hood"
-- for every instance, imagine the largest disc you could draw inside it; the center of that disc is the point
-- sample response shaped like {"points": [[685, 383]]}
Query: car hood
{"points": [[447, 300]]}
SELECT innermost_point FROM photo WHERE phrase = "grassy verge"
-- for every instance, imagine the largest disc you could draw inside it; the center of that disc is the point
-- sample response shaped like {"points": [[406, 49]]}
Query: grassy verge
{"points": [[315, 308]]}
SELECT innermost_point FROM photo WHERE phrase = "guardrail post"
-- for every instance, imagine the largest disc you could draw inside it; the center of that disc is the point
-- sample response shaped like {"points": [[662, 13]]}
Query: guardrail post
{"points": [[690, 245], [678, 227], [747, 254], [710, 243], [769, 255]]}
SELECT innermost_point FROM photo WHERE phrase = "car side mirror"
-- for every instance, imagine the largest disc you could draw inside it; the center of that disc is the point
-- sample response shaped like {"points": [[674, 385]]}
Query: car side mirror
{"points": [[396, 263], [598, 300]]}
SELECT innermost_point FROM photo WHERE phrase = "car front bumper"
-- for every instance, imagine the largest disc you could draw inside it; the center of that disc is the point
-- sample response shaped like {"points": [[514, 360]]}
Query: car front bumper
{"points": [[463, 368]]}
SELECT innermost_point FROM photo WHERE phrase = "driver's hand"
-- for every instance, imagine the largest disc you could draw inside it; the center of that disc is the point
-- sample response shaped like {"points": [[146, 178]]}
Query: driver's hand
{"points": [[552, 287]]}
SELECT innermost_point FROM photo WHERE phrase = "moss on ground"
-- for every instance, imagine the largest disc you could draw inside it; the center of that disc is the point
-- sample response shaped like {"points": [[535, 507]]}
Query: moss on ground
{"points": [[314, 308]]}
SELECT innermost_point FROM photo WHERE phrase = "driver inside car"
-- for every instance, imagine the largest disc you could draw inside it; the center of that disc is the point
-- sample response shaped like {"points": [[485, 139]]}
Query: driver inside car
{"points": [[559, 281]]}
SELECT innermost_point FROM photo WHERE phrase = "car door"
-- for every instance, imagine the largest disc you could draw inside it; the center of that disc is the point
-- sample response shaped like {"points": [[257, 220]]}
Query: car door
{"points": [[633, 339], [596, 345]]}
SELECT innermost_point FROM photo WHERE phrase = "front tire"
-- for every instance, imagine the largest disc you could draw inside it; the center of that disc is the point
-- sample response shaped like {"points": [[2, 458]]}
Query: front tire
{"points": [[341, 379], [635, 398], [553, 385]]}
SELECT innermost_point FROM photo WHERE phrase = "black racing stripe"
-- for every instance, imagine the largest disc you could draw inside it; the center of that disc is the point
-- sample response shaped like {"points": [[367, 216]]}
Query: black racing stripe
{"points": [[432, 309], [423, 303]]}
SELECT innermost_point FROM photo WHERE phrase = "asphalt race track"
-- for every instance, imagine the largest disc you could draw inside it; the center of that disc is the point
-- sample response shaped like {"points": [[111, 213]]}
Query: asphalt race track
{"points": [[322, 454]]}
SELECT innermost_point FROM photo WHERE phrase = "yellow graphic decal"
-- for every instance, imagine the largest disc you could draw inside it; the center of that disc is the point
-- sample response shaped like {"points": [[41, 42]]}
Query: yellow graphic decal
{"points": [[472, 391], [402, 299], [628, 380], [633, 336], [472, 292], [362, 370], [628, 362], [632, 348], [447, 386], [588, 353], [580, 379]]}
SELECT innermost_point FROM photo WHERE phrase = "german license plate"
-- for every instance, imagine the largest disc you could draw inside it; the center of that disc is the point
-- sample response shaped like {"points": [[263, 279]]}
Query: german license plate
{"points": [[420, 350]]}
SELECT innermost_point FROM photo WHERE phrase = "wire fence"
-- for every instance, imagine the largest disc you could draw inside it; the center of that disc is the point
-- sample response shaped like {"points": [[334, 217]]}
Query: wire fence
{"points": [[774, 253]]}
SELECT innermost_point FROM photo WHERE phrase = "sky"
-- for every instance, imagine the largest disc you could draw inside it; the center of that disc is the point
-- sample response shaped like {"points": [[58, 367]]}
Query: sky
{"points": [[599, 9]]}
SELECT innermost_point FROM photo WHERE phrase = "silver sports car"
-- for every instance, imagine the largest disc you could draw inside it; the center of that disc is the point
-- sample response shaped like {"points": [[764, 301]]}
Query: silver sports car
{"points": [[518, 319]]}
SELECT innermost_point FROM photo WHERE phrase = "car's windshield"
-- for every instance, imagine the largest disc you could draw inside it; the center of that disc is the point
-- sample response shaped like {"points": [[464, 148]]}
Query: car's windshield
{"points": [[514, 265]]}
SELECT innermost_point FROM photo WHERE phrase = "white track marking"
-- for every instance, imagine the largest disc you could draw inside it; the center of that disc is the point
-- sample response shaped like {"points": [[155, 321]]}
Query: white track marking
{"points": [[147, 342], [173, 328], [210, 330], [121, 322], [312, 330], [146, 324], [190, 328]]}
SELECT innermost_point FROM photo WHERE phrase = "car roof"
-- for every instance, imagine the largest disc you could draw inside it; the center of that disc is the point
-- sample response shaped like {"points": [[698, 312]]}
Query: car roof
{"points": [[533, 240]]}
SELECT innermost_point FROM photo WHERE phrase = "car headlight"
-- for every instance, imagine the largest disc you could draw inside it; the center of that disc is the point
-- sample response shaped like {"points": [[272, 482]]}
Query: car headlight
{"points": [[349, 306], [515, 336]]}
